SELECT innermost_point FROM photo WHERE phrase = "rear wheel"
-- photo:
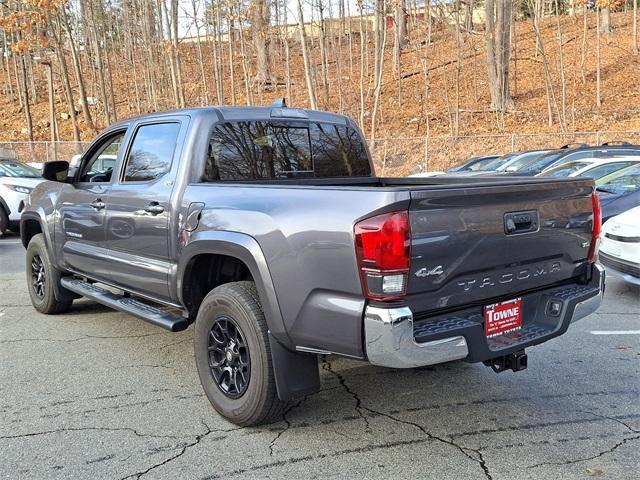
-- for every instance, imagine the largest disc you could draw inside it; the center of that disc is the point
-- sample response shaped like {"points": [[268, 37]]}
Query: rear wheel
{"points": [[233, 356], [41, 276]]}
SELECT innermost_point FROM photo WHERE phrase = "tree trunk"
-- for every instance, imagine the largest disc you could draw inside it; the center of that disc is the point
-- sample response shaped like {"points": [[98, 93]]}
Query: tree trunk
{"points": [[25, 96], [259, 23], [323, 55], [378, 84], [635, 26], [67, 91], [605, 20], [231, 56], [400, 18], [362, 63], [100, 67], [498, 19], [305, 58], [468, 15], [245, 70], [598, 32]]}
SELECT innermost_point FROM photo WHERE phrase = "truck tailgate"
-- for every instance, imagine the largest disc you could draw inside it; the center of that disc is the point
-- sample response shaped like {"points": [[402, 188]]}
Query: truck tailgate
{"points": [[476, 243]]}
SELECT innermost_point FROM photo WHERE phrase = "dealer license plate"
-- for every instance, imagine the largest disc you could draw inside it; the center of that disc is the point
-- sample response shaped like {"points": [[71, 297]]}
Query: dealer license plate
{"points": [[503, 317]]}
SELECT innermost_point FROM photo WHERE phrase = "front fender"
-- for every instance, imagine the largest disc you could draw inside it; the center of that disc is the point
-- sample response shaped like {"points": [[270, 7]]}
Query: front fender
{"points": [[244, 248]]}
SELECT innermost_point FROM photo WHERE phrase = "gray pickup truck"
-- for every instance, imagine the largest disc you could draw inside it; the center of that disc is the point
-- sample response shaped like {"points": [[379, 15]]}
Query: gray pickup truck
{"points": [[265, 227]]}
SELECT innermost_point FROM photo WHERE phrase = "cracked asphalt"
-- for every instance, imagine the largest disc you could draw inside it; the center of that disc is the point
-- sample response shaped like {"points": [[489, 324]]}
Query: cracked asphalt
{"points": [[99, 394]]}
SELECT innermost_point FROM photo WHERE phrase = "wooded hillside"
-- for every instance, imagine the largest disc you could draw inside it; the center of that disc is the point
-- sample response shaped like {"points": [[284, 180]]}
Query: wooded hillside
{"points": [[571, 71]]}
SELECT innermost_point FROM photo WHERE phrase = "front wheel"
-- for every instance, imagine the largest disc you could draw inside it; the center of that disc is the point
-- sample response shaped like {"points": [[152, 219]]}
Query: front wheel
{"points": [[233, 356], [41, 276]]}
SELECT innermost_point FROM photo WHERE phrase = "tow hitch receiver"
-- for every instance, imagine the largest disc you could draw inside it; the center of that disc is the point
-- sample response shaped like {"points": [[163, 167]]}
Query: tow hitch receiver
{"points": [[516, 361]]}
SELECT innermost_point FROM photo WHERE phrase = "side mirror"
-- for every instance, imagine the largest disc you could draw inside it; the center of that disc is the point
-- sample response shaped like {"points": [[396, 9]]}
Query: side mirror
{"points": [[55, 171]]}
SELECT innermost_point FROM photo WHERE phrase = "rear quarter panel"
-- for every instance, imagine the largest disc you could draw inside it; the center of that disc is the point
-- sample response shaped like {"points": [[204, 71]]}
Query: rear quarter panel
{"points": [[306, 236]]}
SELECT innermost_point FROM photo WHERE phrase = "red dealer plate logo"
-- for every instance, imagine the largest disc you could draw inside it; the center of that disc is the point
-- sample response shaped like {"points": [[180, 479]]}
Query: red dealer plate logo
{"points": [[503, 317]]}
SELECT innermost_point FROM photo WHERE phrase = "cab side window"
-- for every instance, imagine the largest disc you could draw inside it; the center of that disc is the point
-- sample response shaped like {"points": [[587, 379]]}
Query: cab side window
{"points": [[99, 167], [151, 152]]}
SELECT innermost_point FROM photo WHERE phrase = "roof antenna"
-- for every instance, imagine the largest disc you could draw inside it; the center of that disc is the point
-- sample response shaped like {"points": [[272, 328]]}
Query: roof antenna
{"points": [[279, 103]]}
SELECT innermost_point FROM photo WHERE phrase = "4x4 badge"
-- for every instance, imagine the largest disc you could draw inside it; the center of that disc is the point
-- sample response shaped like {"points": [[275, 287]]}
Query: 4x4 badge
{"points": [[425, 272]]}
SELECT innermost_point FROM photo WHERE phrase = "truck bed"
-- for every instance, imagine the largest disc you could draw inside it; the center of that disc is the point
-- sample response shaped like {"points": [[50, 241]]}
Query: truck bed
{"points": [[460, 252]]}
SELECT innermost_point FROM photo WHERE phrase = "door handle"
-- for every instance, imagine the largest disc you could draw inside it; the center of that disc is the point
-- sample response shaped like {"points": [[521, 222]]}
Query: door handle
{"points": [[98, 204], [154, 208]]}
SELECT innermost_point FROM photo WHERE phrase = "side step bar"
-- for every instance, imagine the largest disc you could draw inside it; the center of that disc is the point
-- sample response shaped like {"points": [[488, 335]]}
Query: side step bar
{"points": [[151, 314]]}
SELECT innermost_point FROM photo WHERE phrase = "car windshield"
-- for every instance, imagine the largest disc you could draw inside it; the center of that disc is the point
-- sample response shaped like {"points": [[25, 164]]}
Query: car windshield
{"points": [[565, 170], [541, 163], [470, 163], [522, 160], [602, 170], [626, 183], [493, 163], [17, 169]]}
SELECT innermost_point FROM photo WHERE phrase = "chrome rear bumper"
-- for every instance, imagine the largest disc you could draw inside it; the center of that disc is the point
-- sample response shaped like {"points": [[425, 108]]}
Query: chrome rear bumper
{"points": [[587, 307], [389, 341]]}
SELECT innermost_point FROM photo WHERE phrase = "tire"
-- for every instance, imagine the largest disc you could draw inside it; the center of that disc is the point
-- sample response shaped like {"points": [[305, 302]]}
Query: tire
{"points": [[236, 307], [39, 266], [4, 221]]}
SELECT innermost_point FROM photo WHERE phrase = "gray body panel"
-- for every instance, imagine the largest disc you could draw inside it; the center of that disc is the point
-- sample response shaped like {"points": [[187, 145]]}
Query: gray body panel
{"points": [[296, 237]]}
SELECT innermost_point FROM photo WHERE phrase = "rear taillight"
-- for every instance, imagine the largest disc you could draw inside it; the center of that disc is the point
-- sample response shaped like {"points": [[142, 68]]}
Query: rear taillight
{"points": [[383, 246], [596, 229]]}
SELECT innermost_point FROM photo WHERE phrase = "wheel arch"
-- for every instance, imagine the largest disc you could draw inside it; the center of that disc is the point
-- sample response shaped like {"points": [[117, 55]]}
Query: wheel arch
{"points": [[32, 224], [240, 255]]}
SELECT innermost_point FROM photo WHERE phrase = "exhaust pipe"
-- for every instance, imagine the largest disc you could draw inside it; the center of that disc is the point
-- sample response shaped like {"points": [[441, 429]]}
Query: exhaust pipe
{"points": [[515, 361]]}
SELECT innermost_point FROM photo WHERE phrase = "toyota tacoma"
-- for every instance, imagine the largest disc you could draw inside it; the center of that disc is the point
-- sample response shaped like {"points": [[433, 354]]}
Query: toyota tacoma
{"points": [[266, 229]]}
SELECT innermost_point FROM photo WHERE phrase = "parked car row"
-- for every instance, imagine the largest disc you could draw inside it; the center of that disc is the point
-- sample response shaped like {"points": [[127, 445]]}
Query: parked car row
{"points": [[614, 166]]}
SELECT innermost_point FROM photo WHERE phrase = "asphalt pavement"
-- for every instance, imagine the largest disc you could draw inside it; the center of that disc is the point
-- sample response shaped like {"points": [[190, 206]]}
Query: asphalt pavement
{"points": [[99, 394]]}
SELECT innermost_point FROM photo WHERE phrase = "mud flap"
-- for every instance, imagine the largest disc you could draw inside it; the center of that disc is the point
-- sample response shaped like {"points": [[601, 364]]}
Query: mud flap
{"points": [[296, 373]]}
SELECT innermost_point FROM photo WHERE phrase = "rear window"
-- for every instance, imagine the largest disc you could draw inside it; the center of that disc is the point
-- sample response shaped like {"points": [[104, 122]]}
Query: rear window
{"points": [[267, 151]]}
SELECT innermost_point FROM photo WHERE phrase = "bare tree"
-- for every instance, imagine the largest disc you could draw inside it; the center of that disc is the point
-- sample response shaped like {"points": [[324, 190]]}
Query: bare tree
{"points": [[205, 86], [378, 76], [259, 23], [635, 27], [305, 57], [605, 17], [77, 70], [400, 19], [498, 18]]}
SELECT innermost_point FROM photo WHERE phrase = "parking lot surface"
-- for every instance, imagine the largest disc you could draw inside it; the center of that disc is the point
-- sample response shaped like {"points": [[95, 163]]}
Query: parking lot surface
{"points": [[99, 394]]}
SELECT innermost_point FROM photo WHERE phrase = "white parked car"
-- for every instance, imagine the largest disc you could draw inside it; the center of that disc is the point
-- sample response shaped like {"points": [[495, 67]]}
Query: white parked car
{"points": [[620, 245], [16, 182], [591, 167]]}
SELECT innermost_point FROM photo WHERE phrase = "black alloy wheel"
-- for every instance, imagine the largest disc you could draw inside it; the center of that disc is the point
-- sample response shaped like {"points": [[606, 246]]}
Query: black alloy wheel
{"points": [[229, 359], [38, 276]]}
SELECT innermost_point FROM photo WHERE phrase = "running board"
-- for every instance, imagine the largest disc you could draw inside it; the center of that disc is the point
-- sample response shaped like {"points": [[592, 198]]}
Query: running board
{"points": [[148, 313]]}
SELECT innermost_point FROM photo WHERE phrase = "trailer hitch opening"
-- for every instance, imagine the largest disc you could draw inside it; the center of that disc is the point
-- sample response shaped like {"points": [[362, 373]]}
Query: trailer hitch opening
{"points": [[515, 361]]}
